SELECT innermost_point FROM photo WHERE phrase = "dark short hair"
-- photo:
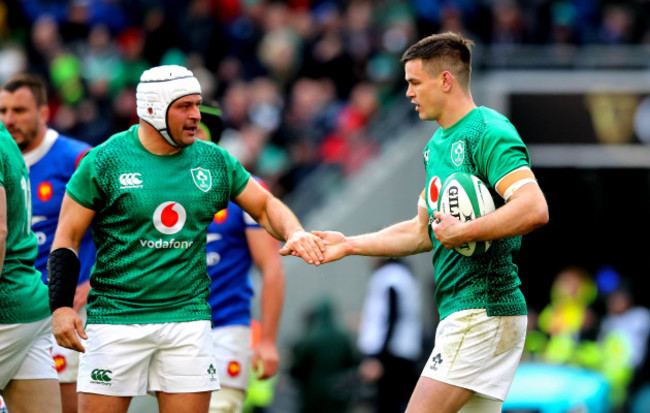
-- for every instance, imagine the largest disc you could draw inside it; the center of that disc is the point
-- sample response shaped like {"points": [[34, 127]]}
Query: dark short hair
{"points": [[445, 51], [33, 83]]}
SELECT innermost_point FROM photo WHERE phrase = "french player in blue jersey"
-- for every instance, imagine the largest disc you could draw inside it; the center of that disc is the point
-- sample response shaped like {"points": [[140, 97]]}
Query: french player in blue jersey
{"points": [[236, 242], [51, 159]]}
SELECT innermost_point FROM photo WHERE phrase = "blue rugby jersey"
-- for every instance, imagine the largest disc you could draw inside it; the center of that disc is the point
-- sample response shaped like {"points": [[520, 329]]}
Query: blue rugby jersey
{"points": [[229, 264], [50, 167]]}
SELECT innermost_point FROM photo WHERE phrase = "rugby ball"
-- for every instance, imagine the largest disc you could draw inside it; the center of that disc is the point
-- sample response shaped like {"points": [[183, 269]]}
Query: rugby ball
{"points": [[466, 197]]}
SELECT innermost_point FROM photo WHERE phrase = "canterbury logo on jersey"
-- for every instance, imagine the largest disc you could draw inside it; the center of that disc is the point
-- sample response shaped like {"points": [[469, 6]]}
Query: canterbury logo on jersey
{"points": [[101, 376], [132, 180]]}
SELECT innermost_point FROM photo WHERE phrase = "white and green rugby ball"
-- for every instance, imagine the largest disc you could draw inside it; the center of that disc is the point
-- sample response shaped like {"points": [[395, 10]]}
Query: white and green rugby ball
{"points": [[466, 197]]}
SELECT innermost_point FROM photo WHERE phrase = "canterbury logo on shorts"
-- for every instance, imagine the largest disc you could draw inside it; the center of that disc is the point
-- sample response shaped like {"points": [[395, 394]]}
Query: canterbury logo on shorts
{"points": [[101, 376]]}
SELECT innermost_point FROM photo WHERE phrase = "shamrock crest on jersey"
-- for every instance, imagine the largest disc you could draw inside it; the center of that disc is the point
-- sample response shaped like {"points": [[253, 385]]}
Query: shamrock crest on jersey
{"points": [[458, 153], [202, 179]]}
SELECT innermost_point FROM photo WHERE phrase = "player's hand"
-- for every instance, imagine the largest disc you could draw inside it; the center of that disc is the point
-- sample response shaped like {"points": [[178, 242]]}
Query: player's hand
{"points": [[81, 296], [448, 230], [265, 360], [371, 370], [335, 244], [305, 245], [66, 324]]}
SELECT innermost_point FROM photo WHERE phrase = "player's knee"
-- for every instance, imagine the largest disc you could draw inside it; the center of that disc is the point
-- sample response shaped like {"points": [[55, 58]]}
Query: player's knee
{"points": [[478, 404], [227, 401]]}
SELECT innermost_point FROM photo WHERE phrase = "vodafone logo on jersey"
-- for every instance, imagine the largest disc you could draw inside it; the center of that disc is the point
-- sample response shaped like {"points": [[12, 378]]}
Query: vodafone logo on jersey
{"points": [[169, 217], [433, 192]]}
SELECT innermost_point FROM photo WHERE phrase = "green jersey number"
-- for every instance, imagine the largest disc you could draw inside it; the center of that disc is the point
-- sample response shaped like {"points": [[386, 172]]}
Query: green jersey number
{"points": [[24, 184]]}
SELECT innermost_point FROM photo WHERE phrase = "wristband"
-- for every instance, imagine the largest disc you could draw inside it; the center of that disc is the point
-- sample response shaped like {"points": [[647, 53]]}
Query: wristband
{"points": [[63, 274]]}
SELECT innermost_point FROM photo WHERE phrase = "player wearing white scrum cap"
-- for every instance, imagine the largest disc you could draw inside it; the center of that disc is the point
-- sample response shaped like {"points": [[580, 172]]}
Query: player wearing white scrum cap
{"points": [[150, 201], [159, 87]]}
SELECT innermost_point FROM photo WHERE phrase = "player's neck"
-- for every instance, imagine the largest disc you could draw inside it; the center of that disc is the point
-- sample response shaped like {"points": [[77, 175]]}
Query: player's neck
{"points": [[456, 110], [40, 137], [153, 141]]}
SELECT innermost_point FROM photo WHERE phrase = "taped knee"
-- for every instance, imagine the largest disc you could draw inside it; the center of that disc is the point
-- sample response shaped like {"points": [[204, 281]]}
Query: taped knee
{"points": [[227, 401]]}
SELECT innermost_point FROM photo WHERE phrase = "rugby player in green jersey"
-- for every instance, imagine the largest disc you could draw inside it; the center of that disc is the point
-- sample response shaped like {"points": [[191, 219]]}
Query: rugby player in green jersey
{"points": [[28, 380], [149, 194], [480, 337]]}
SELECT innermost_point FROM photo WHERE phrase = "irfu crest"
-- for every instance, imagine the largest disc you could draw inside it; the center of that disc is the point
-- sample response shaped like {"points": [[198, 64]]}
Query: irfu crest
{"points": [[458, 153], [202, 179]]}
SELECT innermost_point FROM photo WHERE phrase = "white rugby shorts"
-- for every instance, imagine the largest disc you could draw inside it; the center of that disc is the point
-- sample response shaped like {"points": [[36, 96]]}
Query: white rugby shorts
{"points": [[478, 352], [25, 351], [66, 360], [232, 347], [135, 359]]}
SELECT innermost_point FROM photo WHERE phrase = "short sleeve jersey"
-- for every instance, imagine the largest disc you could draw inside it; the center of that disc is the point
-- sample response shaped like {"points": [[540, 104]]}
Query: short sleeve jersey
{"points": [[483, 143], [152, 213], [50, 167], [23, 297]]}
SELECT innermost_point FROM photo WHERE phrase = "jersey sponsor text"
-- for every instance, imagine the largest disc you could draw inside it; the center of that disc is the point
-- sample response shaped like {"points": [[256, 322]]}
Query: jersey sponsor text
{"points": [[160, 244]]}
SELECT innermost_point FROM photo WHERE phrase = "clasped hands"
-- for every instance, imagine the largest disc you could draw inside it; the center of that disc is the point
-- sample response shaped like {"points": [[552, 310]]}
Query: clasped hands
{"points": [[316, 247]]}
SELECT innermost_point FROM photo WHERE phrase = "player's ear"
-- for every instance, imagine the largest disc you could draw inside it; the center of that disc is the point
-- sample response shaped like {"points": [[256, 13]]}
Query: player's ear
{"points": [[447, 79], [44, 112]]}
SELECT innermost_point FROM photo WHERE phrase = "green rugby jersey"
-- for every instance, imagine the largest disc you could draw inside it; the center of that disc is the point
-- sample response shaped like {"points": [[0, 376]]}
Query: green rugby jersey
{"points": [[23, 296], [483, 143], [152, 214]]}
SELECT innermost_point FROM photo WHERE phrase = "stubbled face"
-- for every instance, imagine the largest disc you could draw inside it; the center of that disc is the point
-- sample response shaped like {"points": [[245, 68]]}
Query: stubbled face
{"points": [[183, 119], [425, 90], [22, 117]]}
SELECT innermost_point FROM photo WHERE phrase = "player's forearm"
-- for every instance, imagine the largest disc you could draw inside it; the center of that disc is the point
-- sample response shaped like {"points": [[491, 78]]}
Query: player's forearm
{"points": [[399, 240], [272, 300], [525, 211], [3, 246], [278, 220], [74, 221], [3, 227]]}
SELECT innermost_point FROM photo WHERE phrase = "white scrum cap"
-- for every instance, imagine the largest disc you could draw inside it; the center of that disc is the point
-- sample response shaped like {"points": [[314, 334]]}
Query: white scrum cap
{"points": [[159, 87]]}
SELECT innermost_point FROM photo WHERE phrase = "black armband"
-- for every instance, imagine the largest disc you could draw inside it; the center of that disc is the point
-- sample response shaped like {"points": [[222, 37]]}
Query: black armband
{"points": [[63, 274]]}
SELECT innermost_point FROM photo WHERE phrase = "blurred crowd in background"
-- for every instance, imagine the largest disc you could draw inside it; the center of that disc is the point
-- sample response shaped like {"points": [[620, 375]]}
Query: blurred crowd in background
{"points": [[298, 80], [592, 322]]}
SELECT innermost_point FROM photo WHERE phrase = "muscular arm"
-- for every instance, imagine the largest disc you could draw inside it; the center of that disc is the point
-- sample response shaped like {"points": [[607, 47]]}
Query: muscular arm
{"points": [[3, 226], [398, 240], [74, 221], [279, 221], [524, 211], [264, 250]]}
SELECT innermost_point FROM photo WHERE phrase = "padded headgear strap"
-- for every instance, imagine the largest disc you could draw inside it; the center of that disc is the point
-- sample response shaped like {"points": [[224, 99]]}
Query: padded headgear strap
{"points": [[159, 87]]}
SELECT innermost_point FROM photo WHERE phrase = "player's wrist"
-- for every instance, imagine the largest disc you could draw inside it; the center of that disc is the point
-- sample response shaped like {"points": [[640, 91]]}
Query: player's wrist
{"points": [[353, 246], [472, 230], [63, 272]]}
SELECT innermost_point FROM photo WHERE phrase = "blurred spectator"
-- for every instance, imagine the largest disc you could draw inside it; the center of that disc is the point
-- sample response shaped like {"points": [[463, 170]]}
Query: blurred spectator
{"points": [[569, 312], [323, 363], [508, 25], [348, 145], [631, 321], [628, 325], [618, 24], [390, 334]]}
